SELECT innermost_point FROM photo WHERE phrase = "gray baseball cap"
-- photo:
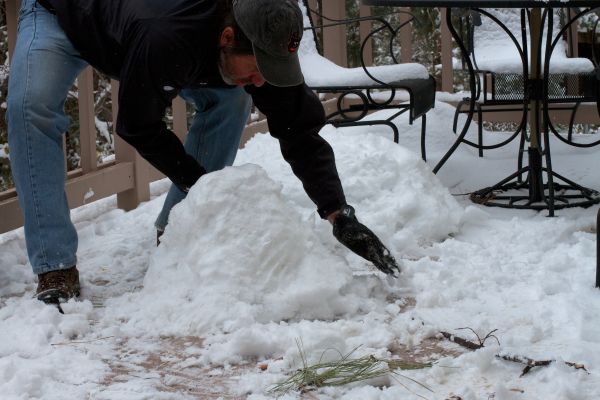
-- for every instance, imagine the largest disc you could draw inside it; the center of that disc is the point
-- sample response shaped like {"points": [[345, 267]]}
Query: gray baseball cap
{"points": [[275, 28]]}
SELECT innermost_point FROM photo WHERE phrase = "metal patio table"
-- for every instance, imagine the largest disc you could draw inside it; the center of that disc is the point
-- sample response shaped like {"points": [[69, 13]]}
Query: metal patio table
{"points": [[513, 191]]}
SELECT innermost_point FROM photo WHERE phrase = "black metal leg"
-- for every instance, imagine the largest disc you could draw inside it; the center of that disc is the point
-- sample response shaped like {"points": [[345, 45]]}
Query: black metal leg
{"points": [[462, 134], [536, 183], [456, 114], [520, 155], [343, 124], [598, 250], [480, 130], [571, 123], [549, 172], [423, 129]]}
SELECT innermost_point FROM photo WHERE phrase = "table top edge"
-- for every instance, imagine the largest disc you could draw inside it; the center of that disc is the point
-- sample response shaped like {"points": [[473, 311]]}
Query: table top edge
{"points": [[484, 3]]}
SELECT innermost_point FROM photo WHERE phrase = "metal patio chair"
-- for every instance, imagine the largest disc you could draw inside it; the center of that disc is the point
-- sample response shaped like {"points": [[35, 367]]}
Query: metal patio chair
{"points": [[498, 51], [356, 88]]}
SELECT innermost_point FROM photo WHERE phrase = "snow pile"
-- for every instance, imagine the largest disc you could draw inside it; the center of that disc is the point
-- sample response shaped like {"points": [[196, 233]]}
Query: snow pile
{"points": [[237, 252], [234, 253], [391, 188], [34, 360]]}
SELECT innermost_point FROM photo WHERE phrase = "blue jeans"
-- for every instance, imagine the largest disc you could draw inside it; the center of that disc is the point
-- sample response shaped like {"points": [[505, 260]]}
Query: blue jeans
{"points": [[43, 69], [214, 136]]}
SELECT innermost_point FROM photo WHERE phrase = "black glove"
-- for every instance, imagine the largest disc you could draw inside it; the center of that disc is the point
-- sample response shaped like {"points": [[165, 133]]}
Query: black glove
{"points": [[362, 241], [189, 175]]}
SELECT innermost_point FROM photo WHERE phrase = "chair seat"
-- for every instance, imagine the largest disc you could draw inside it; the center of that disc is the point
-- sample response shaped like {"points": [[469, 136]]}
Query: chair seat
{"points": [[422, 92], [496, 61], [562, 87], [320, 72]]}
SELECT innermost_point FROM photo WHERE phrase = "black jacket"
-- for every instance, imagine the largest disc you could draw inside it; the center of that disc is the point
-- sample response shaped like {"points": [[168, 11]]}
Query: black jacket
{"points": [[157, 47]]}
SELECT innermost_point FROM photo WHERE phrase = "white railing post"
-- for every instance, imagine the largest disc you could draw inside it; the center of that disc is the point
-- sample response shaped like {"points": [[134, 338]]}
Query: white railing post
{"points": [[87, 121], [406, 38], [365, 29], [334, 38], [12, 11], [572, 35], [446, 38], [179, 117]]}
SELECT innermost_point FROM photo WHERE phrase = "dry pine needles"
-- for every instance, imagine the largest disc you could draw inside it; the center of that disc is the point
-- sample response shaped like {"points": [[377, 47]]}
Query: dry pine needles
{"points": [[342, 372]]}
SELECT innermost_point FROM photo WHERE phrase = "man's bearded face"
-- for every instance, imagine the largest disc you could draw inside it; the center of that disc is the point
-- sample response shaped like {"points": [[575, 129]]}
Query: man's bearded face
{"points": [[239, 69]]}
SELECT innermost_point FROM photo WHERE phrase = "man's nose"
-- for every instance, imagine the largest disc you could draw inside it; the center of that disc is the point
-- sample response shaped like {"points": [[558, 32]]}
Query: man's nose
{"points": [[258, 80]]}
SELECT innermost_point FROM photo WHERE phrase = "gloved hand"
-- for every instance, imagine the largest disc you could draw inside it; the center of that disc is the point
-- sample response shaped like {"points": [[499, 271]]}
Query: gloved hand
{"points": [[362, 241]]}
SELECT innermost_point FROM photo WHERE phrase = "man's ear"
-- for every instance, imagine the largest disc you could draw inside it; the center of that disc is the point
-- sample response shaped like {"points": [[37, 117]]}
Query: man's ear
{"points": [[227, 37]]}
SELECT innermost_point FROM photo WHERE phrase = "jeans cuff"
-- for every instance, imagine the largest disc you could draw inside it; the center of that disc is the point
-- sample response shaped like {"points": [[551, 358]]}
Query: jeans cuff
{"points": [[57, 267]]}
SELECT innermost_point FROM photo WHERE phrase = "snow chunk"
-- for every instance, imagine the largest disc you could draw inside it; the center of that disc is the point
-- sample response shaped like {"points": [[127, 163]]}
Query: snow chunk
{"points": [[235, 252]]}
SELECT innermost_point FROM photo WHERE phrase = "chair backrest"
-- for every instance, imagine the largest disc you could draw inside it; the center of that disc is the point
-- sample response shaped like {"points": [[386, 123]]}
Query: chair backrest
{"points": [[310, 40], [317, 70], [493, 50], [320, 72], [309, 43]]}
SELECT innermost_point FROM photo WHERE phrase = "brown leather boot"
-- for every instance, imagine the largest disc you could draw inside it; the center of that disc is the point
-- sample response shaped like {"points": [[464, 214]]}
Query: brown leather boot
{"points": [[58, 286]]}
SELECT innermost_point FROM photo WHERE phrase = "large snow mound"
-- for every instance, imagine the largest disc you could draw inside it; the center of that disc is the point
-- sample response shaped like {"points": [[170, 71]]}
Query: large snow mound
{"points": [[237, 251], [234, 252], [393, 190]]}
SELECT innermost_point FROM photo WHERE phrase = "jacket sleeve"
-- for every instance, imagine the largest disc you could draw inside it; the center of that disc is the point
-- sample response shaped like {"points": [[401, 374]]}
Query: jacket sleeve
{"points": [[295, 116], [144, 94]]}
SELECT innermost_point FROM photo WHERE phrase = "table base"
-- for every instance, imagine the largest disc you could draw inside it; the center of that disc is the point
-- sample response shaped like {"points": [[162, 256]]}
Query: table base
{"points": [[514, 192]]}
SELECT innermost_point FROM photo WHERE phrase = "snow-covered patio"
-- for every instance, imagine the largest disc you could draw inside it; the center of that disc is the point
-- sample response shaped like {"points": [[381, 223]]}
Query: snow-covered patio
{"points": [[246, 268]]}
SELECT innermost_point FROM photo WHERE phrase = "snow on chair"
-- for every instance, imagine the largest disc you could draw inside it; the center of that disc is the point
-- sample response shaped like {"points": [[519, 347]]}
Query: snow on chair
{"points": [[498, 48], [324, 76]]}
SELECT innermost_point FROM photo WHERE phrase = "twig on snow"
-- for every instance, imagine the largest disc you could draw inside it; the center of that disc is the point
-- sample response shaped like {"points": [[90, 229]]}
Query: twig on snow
{"points": [[531, 363], [81, 341], [468, 343]]}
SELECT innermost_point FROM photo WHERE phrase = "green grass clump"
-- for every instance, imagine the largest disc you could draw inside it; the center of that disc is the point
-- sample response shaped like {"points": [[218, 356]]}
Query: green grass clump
{"points": [[342, 372]]}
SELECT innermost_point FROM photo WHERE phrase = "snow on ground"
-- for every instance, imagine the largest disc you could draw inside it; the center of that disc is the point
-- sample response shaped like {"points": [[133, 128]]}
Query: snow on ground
{"points": [[246, 269]]}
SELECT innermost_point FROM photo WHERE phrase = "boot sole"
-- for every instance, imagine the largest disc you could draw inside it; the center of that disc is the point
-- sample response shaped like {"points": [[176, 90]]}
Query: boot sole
{"points": [[56, 296]]}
